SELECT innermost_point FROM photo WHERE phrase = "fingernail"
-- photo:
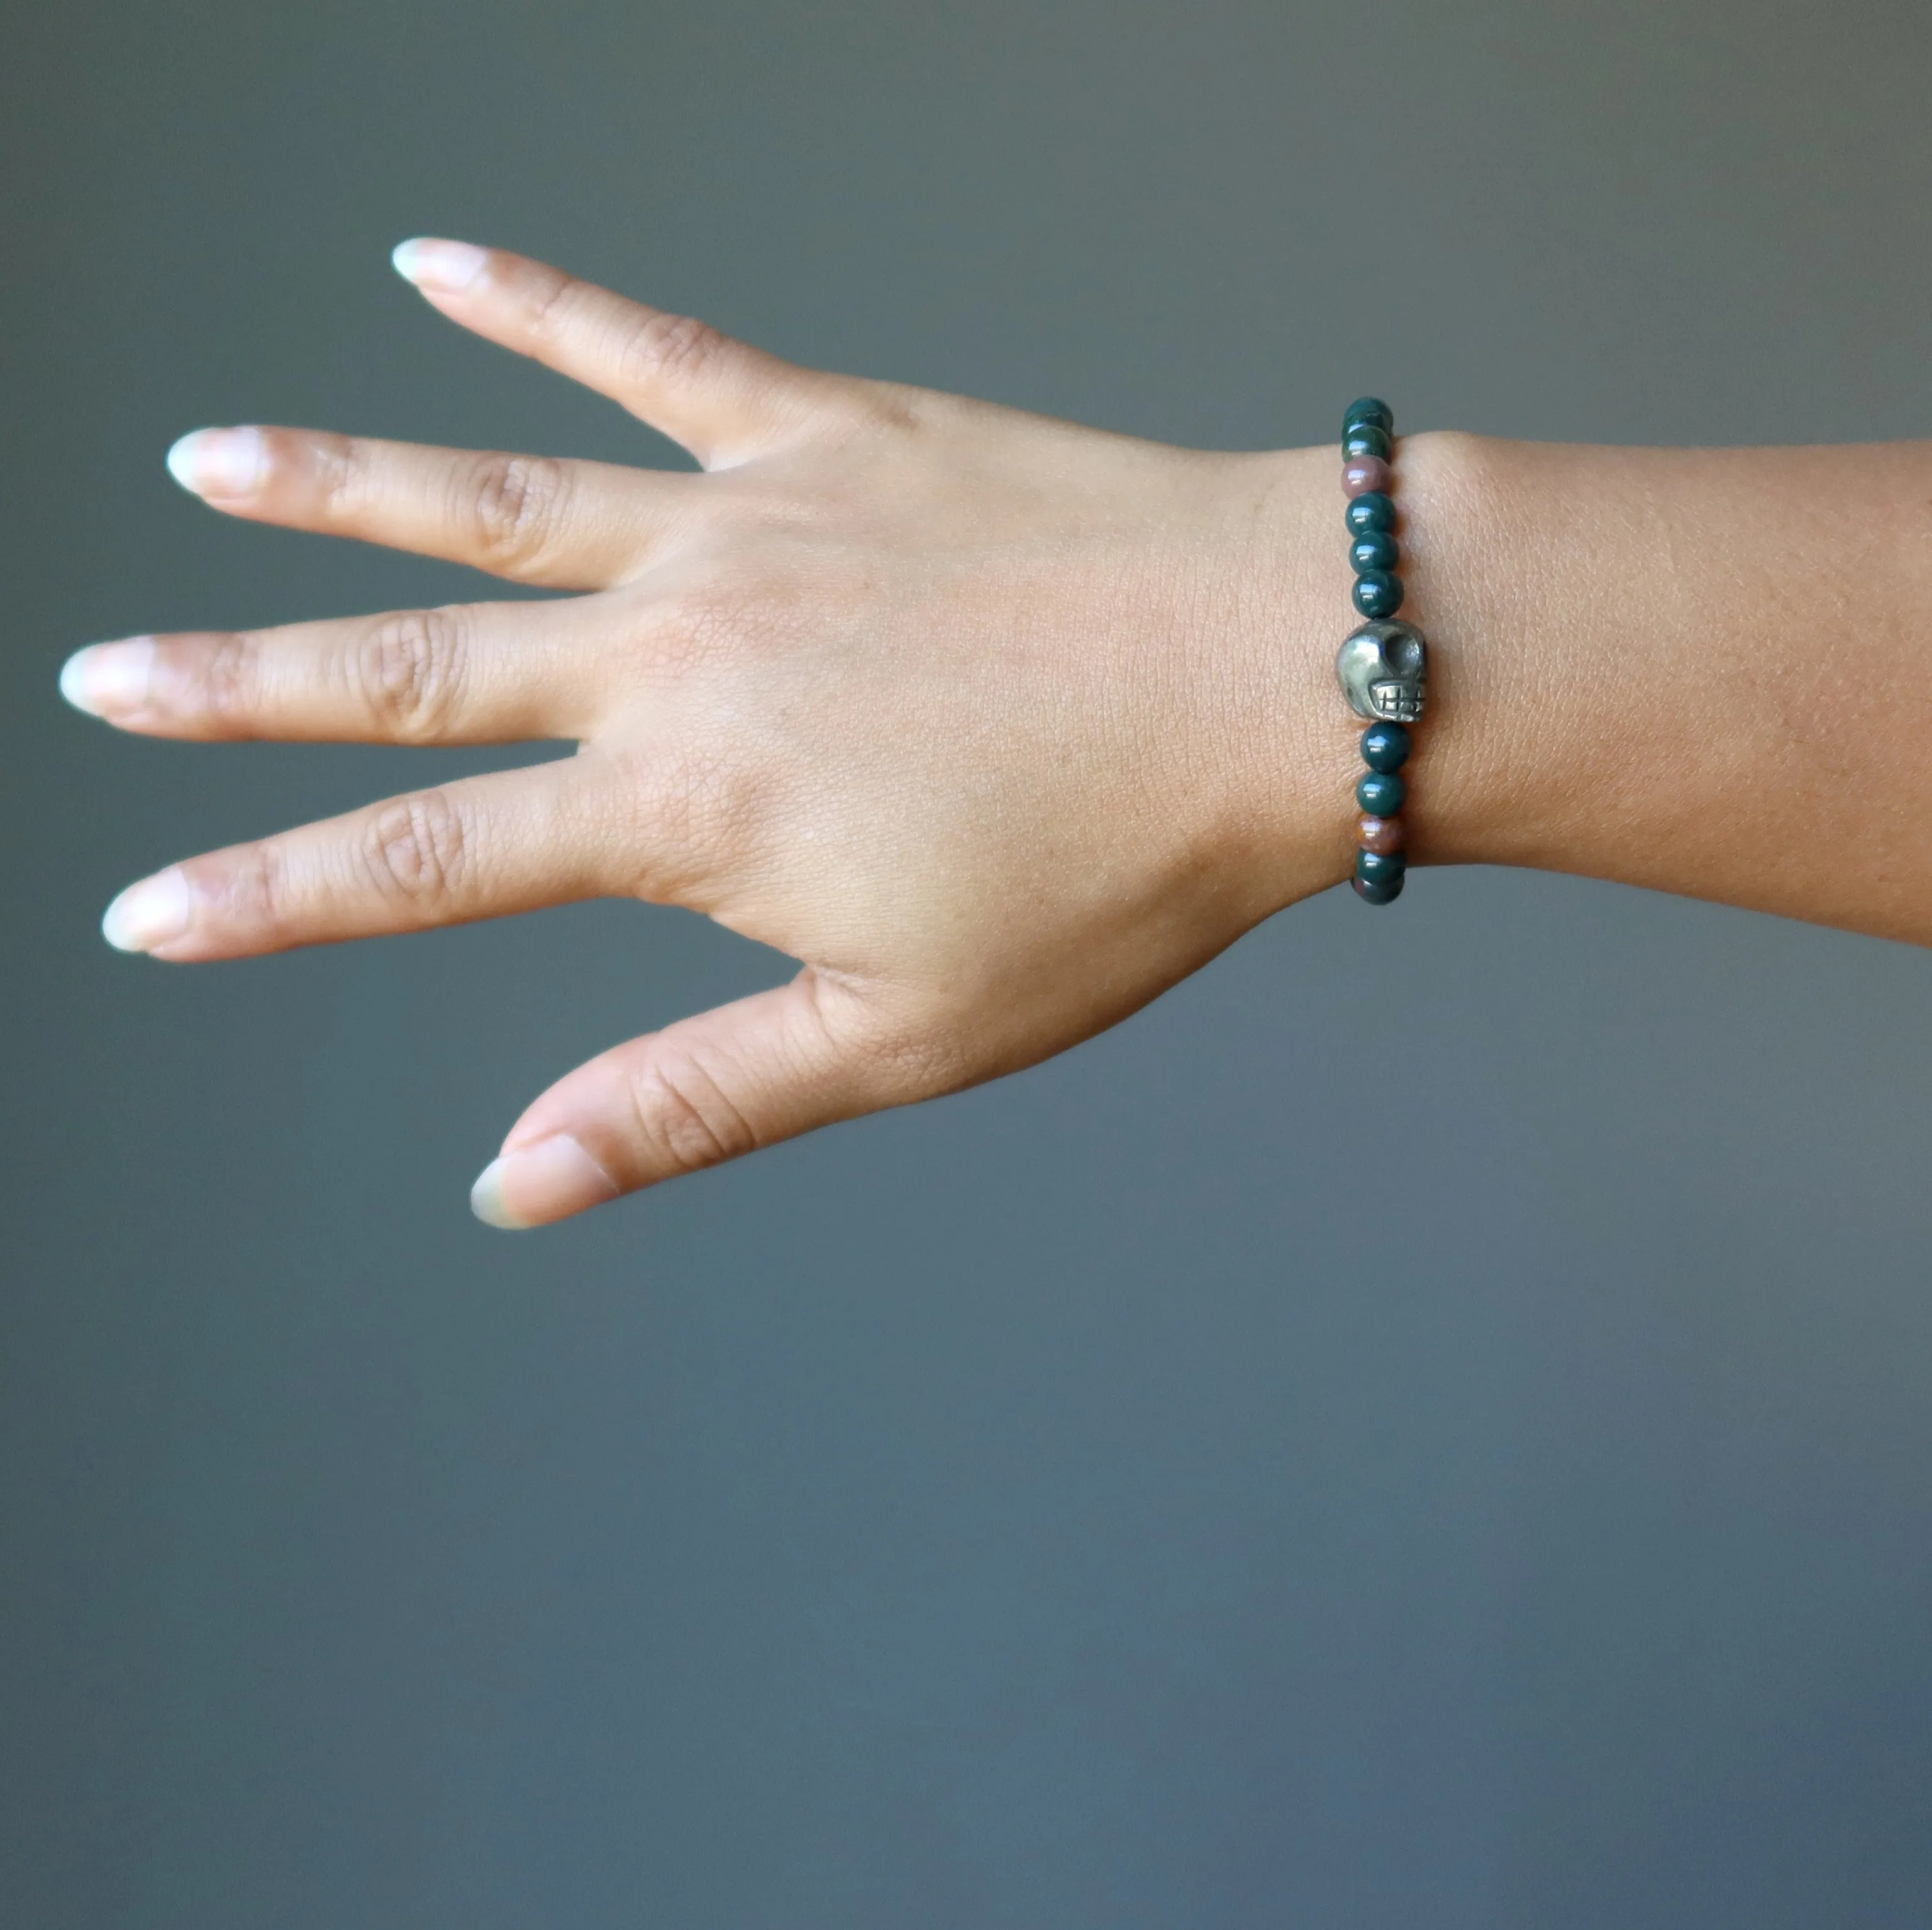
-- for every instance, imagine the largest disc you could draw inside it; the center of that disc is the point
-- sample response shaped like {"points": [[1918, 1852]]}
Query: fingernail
{"points": [[220, 462], [149, 913], [109, 680], [445, 267], [548, 1181]]}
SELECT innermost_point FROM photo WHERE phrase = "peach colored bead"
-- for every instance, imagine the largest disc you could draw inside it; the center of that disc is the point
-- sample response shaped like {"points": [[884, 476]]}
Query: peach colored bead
{"points": [[1384, 835], [1363, 473]]}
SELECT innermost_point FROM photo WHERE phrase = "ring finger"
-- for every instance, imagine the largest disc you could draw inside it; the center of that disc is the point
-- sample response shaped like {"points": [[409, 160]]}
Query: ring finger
{"points": [[534, 519]]}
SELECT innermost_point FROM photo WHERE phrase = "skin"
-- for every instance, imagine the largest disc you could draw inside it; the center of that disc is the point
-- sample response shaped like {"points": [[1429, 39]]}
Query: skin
{"points": [[1000, 725]]}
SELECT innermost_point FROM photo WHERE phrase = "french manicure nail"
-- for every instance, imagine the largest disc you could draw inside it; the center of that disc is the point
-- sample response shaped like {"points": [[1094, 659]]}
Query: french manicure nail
{"points": [[109, 680], [149, 913], [446, 268], [549, 1179], [220, 462]]}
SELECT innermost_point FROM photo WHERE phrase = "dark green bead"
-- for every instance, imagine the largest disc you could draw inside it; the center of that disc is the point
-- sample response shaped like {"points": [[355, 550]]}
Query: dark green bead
{"points": [[1378, 593], [1376, 551], [1381, 867], [1380, 793], [1385, 747], [1366, 439], [1368, 409], [1371, 510], [1378, 894]]}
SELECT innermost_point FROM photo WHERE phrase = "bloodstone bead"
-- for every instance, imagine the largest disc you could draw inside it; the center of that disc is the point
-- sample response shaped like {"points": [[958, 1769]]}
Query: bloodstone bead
{"points": [[1377, 592], [1385, 747], [1378, 894], [1376, 551], [1372, 512], [1380, 793], [1381, 834], [1366, 439], [1363, 473], [1368, 409], [1380, 867]]}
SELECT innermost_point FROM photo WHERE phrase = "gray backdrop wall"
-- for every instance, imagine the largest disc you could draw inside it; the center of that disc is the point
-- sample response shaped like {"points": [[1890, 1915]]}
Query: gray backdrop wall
{"points": [[1176, 1487]]}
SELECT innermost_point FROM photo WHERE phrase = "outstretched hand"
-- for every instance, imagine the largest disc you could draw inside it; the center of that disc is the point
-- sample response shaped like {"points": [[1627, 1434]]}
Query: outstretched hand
{"points": [[999, 726]]}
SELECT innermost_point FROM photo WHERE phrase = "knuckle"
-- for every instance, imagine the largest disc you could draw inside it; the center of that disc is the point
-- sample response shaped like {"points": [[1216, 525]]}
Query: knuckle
{"points": [[516, 502], [418, 850], [686, 1118], [899, 408], [409, 671], [902, 1044], [742, 612], [922, 1063], [696, 627], [660, 350], [903, 1055], [893, 406], [701, 801], [227, 681], [247, 890], [550, 299], [342, 476], [682, 814]]}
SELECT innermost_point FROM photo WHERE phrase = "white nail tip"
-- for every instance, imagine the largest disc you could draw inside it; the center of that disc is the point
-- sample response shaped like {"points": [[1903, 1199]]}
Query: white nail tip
{"points": [[149, 913], [486, 1200], [550, 1180], [107, 679], [219, 462], [447, 267]]}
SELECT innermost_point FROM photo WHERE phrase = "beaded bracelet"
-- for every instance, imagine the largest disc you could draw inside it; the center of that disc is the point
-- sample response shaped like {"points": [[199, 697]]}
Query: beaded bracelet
{"points": [[1383, 665]]}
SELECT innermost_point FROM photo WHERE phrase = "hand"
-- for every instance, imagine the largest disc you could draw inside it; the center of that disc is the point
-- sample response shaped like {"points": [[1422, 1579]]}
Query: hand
{"points": [[999, 725]]}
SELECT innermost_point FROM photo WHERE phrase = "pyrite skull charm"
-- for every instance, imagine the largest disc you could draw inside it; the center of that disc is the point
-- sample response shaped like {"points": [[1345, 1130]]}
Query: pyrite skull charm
{"points": [[1384, 668]]}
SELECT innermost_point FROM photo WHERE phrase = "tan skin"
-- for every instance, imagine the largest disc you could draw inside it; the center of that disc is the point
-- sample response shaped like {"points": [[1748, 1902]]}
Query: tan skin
{"points": [[1001, 726]]}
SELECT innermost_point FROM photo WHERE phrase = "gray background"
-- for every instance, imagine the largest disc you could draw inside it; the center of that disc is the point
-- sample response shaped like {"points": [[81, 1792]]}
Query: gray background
{"points": [[1428, 1425]]}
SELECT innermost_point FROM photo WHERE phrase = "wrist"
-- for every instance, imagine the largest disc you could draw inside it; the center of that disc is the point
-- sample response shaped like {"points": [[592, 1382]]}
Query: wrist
{"points": [[1459, 499], [1301, 739], [1635, 672]]}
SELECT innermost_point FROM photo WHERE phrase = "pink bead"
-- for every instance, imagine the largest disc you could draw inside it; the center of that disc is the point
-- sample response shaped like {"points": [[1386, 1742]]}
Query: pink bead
{"points": [[1365, 473], [1382, 834]]}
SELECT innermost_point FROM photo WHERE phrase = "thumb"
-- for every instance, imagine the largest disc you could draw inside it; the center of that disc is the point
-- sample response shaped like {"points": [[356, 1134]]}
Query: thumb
{"points": [[712, 1086]]}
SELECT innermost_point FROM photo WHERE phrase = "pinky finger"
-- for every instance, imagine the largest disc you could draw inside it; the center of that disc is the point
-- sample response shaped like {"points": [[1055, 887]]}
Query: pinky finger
{"points": [[480, 847]]}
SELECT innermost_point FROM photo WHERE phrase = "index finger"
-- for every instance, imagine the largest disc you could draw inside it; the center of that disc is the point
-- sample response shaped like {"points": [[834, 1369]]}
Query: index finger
{"points": [[723, 399]]}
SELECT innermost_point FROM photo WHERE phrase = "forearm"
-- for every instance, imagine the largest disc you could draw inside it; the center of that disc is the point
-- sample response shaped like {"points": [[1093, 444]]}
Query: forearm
{"points": [[1704, 672]]}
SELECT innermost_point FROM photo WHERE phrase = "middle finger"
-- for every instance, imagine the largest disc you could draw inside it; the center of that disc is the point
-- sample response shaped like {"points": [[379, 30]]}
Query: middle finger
{"points": [[466, 674]]}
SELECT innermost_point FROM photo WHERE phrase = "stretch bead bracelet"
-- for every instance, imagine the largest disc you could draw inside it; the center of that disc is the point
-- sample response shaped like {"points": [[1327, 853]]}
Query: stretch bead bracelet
{"points": [[1383, 665]]}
